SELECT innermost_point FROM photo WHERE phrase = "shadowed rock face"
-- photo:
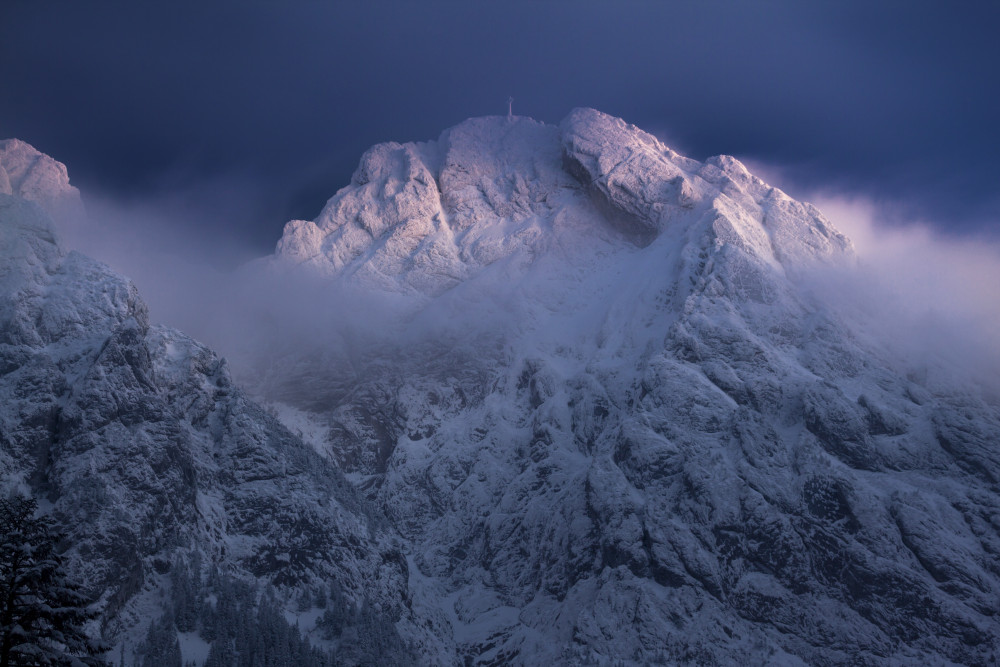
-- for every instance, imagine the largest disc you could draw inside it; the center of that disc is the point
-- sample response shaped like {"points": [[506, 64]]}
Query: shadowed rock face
{"points": [[636, 182], [138, 439], [666, 449]]}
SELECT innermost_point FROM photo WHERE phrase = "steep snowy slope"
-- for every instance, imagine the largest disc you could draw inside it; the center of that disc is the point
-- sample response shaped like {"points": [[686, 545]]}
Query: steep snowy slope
{"points": [[146, 452], [614, 424]]}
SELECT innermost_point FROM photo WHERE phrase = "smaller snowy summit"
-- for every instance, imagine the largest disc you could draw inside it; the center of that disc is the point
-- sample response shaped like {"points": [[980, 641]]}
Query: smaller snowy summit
{"points": [[28, 173]]}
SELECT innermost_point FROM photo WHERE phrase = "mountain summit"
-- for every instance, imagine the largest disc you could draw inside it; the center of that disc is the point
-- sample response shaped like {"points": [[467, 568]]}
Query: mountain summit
{"points": [[615, 422], [423, 217]]}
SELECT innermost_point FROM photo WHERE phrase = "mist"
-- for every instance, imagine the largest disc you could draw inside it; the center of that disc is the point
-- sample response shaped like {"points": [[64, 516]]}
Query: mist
{"points": [[197, 275], [929, 299], [274, 326]]}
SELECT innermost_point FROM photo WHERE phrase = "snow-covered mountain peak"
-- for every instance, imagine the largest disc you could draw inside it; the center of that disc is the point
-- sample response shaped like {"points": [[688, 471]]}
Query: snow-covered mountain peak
{"points": [[497, 169], [30, 174], [420, 218], [621, 426]]}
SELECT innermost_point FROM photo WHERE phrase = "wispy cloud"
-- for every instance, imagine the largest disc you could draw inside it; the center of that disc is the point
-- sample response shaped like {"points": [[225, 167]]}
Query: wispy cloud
{"points": [[928, 296]]}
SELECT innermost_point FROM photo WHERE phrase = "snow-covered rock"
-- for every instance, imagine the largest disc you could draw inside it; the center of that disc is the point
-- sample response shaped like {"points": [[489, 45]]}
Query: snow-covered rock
{"points": [[30, 174], [615, 426]]}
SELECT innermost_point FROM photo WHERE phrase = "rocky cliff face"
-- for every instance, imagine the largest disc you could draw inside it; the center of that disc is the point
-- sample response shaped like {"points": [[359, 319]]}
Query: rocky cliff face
{"points": [[615, 424], [146, 452]]}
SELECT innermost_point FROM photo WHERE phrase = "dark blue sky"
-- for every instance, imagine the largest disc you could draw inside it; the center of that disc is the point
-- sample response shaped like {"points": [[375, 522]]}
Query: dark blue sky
{"points": [[258, 111]]}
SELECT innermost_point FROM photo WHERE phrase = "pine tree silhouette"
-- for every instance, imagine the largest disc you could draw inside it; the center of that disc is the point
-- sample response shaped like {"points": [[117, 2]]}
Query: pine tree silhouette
{"points": [[42, 612]]}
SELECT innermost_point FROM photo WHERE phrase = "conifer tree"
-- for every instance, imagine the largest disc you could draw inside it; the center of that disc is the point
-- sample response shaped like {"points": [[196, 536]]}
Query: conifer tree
{"points": [[185, 579], [161, 648], [42, 612]]}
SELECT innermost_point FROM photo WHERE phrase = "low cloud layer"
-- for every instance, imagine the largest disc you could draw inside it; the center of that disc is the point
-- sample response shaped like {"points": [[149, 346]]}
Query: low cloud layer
{"points": [[931, 301], [934, 300], [214, 286]]}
